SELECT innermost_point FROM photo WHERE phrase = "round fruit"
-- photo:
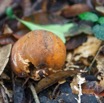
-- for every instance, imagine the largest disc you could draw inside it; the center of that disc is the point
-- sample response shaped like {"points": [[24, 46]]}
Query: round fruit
{"points": [[38, 54]]}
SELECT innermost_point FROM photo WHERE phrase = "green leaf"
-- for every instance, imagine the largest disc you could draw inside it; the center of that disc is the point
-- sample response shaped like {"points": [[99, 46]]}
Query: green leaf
{"points": [[57, 29], [9, 13], [98, 31], [88, 16], [101, 20]]}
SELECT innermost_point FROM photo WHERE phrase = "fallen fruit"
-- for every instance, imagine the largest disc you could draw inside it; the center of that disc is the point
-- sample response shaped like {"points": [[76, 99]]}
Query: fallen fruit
{"points": [[38, 54]]}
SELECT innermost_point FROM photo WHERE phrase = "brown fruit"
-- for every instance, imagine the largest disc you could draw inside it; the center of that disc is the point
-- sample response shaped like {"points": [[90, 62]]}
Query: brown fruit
{"points": [[37, 54]]}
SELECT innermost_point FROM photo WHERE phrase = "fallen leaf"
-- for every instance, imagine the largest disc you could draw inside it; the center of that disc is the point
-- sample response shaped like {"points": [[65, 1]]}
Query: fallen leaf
{"points": [[43, 18], [4, 56], [101, 20], [20, 33], [54, 78], [100, 63], [94, 87], [74, 10], [77, 29], [89, 48], [88, 16], [7, 30], [4, 40], [98, 31], [75, 41], [100, 9]]}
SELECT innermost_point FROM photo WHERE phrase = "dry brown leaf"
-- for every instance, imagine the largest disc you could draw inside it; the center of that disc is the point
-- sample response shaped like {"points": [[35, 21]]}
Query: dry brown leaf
{"points": [[100, 63], [100, 67], [74, 10], [88, 48], [7, 30], [54, 78], [100, 9], [42, 18], [75, 41], [4, 56], [4, 40]]}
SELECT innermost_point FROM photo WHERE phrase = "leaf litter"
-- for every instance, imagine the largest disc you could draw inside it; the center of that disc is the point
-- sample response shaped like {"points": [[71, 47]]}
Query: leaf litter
{"points": [[83, 43]]}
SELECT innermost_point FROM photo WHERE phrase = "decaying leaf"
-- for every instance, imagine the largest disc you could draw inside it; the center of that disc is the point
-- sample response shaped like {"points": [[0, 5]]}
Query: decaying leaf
{"points": [[94, 87], [74, 84], [4, 56], [7, 30], [77, 29], [54, 78], [100, 9], [100, 63], [69, 63], [88, 48], [43, 18], [76, 41], [74, 10]]}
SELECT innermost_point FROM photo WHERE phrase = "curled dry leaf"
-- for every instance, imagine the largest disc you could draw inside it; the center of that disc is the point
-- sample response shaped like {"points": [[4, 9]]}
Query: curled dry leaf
{"points": [[74, 10], [88, 48], [4, 56]]}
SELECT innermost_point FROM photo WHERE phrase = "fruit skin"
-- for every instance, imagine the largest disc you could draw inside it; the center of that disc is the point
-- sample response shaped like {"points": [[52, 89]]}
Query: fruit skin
{"points": [[43, 49]]}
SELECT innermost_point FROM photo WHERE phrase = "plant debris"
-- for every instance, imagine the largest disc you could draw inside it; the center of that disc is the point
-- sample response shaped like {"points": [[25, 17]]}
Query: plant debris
{"points": [[78, 24]]}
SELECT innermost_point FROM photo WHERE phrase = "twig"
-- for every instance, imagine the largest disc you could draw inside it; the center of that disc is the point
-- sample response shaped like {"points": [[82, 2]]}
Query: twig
{"points": [[95, 58], [25, 82], [34, 93], [55, 90]]}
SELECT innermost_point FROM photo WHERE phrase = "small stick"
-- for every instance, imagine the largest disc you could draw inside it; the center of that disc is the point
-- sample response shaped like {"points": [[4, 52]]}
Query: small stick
{"points": [[34, 93], [55, 91], [95, 57]]}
